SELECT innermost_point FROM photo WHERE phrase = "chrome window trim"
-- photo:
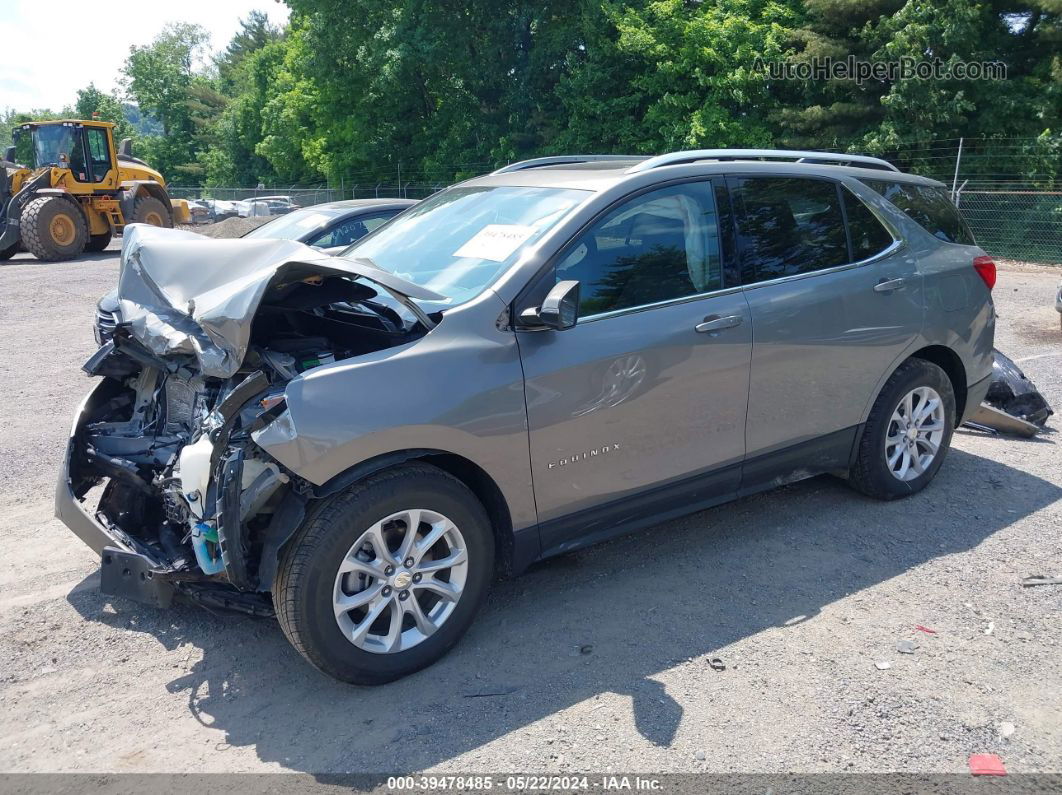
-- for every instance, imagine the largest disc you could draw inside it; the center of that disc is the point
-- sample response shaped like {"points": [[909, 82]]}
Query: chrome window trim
{"points": [[892, 249], [629, 310]]}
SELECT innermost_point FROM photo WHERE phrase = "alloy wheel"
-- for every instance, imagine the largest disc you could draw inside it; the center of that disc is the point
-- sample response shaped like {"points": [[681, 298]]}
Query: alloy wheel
{"points": [[915, 433], [400, 581]]}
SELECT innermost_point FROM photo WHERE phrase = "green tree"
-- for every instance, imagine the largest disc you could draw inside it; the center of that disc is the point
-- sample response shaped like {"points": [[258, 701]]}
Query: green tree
{"points": [[880, 115], [255, 33], [163, 80], [693, 69], [91, 101]]}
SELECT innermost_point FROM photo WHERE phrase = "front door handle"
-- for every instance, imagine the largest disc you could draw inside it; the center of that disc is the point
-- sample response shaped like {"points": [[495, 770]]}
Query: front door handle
{"points": [[716, 323], [888, 285]]}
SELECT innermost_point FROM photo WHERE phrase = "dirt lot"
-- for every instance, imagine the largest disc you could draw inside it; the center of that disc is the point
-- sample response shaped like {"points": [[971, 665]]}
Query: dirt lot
{"points": [[594, 662]]}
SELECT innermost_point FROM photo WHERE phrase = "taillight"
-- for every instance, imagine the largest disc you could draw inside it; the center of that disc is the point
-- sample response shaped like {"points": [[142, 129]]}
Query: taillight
{"points": [[986, 269]]}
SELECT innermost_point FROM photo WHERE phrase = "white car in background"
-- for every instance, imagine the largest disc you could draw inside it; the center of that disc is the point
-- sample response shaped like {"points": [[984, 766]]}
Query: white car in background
{"points": [[263, 206], [220, 209]]}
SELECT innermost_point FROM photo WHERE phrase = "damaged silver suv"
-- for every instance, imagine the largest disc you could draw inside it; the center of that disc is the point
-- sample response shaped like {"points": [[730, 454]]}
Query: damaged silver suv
{"points": [[524, 364]]}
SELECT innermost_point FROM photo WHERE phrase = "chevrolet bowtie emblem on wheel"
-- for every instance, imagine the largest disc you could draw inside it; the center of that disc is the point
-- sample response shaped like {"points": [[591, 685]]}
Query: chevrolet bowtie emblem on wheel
{"points": [[608, 448]]}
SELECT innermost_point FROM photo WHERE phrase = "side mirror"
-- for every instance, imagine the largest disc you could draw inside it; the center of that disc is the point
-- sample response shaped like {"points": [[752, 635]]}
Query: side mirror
{"points": [[559, 310], [125, 148]]}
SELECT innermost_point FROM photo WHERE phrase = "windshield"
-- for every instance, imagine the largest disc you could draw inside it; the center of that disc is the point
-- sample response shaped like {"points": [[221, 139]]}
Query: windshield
{"points": [[459, 241], [293, 225], [43, 146]]}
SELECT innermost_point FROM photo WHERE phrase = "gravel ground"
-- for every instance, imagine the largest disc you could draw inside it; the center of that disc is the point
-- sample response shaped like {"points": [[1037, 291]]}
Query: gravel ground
{"points": [[597, 661]]}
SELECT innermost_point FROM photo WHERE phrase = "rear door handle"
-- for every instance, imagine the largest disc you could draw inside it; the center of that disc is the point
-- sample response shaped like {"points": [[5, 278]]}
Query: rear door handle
{"points": [[715, 323], [888, 285]]}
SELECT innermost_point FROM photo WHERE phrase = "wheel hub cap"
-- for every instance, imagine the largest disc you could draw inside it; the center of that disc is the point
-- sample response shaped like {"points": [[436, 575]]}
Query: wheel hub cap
{"points": [[62, 230], [400, 581], [915, 433]]}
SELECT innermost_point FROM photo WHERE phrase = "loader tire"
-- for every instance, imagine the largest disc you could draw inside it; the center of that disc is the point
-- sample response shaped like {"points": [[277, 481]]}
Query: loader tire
{"points": [[53, 228], [98, 242], [149, 210]]}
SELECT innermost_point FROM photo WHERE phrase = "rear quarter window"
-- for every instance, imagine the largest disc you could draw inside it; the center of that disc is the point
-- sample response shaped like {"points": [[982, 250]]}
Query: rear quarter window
{"points": [[929, 207], [867, 234]]}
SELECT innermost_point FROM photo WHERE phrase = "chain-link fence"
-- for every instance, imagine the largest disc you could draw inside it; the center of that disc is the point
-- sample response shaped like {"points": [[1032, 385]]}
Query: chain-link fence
{"points": [[1015, 224], [306, 197], [1008, 189]]}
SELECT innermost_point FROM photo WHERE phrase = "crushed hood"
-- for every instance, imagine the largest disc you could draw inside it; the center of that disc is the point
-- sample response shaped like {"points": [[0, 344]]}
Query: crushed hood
{"points": [[184, 293]]}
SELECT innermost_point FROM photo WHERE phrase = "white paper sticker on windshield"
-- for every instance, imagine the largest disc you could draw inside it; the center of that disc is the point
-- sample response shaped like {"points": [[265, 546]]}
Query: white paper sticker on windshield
{"points": [[496, 241]]}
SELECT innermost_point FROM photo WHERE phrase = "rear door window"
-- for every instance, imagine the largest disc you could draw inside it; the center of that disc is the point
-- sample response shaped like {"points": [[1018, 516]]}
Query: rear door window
{"points": [[927, 206], [788, 225], [865, 231]]}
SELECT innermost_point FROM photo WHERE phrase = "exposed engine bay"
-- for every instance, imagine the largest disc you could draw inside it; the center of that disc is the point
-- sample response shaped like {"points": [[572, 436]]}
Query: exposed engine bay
{"points": [[163, 459]]}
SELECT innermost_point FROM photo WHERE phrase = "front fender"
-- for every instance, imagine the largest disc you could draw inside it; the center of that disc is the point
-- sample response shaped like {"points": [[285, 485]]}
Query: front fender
{"points": [[457, 390]]}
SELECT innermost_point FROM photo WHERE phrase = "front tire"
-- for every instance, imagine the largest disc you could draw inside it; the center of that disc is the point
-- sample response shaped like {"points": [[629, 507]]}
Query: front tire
{"points": [[907, 434], [53, 228], [384, 578]]}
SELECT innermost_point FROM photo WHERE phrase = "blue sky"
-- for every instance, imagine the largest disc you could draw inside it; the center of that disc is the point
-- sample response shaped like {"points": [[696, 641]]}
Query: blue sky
{"points": [[36, 74]]}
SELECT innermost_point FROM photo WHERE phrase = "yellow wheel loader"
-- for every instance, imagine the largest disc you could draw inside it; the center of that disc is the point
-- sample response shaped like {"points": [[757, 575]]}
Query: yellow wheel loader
{"points": [[65, 189]]}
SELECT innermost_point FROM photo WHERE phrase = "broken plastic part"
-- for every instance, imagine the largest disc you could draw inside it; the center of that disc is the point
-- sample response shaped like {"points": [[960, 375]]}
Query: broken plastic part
{"points": [[203, 533], [1013, 404]]}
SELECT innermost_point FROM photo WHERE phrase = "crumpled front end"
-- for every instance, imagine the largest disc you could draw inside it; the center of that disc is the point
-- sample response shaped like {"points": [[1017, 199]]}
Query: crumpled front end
{"points": [[162, 476]]}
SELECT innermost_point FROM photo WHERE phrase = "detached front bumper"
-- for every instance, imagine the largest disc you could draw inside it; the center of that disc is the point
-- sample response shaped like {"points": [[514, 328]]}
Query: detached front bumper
{"points": [[68, 507], [124, 571]]}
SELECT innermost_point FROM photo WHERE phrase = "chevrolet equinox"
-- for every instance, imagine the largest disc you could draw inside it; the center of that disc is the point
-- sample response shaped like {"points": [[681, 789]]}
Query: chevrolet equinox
{"points": [[523, 364]]}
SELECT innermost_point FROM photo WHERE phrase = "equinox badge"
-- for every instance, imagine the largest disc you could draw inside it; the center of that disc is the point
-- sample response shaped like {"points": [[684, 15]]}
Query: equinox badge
{"points": [[608, 448]]}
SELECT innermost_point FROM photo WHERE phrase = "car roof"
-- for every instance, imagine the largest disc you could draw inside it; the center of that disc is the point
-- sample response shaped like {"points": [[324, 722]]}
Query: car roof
{"points": [[601, 175]]}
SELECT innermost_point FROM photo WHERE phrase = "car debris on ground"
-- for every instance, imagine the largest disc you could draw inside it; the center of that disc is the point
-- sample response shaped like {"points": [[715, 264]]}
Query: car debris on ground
{"points": [[1039, 579], [1013, 404]]}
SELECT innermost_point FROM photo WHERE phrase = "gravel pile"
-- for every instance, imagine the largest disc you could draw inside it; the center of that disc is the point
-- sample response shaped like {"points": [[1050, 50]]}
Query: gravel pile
{"points": [[230, 227]]}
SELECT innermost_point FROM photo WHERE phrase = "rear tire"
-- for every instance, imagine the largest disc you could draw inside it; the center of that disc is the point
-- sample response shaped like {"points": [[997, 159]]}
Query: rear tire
{"points": [[149, 210], [98, 242], [874, 474], [309, 580], [53, 228]]}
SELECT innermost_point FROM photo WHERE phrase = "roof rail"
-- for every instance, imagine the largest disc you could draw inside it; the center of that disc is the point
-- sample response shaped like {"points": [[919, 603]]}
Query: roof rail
{"points": [[692, 156], [559, 160]]}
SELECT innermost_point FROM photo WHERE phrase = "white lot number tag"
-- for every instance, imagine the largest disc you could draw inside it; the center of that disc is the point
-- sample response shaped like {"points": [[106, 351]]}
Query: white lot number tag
{"points": [[495, 241]]}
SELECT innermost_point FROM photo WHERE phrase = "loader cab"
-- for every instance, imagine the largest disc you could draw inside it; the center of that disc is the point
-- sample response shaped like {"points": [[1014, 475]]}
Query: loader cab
{"points": [[85, 148]]}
